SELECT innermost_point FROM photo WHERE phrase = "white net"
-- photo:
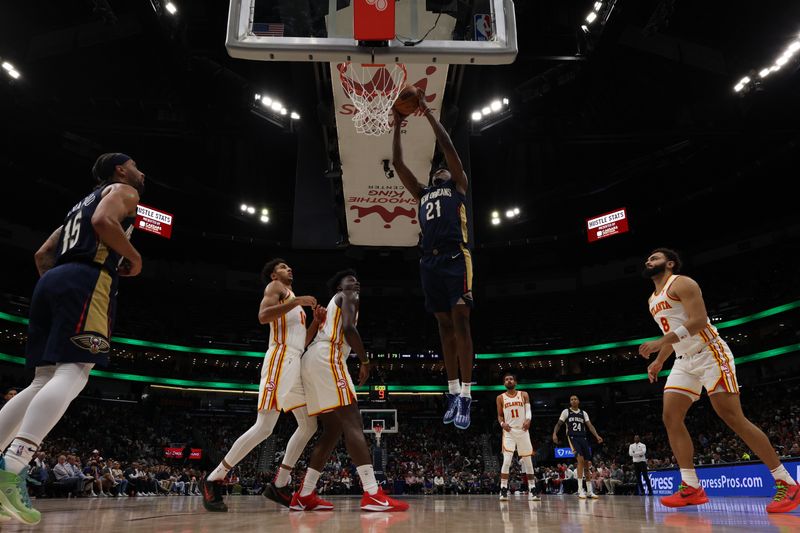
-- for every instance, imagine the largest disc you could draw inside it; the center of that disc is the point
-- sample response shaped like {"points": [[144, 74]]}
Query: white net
{"points": [[373, 90]]}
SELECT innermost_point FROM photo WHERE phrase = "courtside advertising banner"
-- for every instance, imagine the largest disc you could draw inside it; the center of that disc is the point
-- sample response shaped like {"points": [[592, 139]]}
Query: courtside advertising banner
{"points": [[725, 479], [177, 453], [153, 221], [563, 453], [607, 225]]}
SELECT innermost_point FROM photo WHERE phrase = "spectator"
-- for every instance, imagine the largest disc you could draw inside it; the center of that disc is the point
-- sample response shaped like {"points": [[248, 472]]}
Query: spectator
{"points": [[438, 483], [616, 479]]}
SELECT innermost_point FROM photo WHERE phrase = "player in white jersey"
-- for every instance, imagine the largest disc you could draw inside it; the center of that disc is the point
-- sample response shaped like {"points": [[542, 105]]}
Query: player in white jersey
{"points": [[281, 387], [703, 360], [514, 415], [331, 395]]}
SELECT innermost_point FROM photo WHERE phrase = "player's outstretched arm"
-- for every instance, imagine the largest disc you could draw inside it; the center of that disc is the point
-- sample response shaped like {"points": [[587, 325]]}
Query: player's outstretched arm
{"points": [[351, 335], [407, 177], [454, 164], [45, 256]]}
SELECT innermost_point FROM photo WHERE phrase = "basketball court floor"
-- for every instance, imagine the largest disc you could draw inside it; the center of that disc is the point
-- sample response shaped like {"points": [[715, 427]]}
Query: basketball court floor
{"points": [[458, 514]]}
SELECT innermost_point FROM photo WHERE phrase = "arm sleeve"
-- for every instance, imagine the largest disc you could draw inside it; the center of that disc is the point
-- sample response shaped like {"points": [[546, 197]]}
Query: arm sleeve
{"points": [[563, 416]]}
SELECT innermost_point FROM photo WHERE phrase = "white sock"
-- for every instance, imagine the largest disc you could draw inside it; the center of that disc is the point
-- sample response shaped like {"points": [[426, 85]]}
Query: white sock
{"points": [[219, 473], [781, 474], [580, 485], [465, 390], [310, 482], [454, 385], [283, 477], [14, 410], [689, 476], [18, 456], [503, 483], [367, 475]]}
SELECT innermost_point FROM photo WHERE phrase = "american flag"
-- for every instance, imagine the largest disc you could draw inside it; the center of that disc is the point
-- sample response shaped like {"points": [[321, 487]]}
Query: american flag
{"points": [[268, 29]]}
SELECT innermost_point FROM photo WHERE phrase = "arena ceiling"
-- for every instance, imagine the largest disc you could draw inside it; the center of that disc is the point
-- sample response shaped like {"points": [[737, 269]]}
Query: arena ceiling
{"points": [[643, 116]]}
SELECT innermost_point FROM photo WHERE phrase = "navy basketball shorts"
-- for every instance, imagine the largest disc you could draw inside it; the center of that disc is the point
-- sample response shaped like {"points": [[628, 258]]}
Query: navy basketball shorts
{"points": [[72, 312], [446, 279], [580, 446]]}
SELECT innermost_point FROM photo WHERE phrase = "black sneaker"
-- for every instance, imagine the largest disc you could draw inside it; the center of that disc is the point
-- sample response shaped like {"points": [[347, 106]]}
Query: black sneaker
{"points": [[280, 495], [503, 494], [212, 496]]}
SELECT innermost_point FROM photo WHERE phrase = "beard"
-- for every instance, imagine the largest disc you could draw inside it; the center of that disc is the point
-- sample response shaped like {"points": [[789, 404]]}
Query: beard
{"points": [[656, 270], [509, 387]]}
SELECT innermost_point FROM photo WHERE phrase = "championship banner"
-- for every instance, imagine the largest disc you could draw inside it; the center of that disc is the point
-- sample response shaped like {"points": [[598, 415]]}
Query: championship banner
{"points": [[153, 221], [729, 479], [607, 225], [379, 210]]}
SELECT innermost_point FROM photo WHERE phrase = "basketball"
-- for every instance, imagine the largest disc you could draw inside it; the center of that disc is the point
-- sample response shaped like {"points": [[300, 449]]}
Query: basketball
{"points": [[407, 101]]}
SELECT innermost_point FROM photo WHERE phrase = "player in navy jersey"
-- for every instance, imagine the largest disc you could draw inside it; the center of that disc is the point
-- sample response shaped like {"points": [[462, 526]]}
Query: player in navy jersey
{"points": [[71, 315], [446, 264], [577, 422]]}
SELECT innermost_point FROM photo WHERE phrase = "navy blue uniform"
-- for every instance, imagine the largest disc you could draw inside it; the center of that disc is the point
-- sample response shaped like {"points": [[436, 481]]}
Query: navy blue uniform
{"points": [[73, 304], [576, 433], [446, 264]]}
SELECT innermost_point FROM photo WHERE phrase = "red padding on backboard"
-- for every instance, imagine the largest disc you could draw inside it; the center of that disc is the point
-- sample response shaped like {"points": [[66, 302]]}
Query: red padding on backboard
{"points": [[373, 20]]}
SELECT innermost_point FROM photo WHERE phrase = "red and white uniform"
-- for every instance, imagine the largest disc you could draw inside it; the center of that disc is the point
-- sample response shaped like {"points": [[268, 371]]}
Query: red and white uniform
{"points": [[514, 415], [327, 382], [281, 387], [702, 360]]}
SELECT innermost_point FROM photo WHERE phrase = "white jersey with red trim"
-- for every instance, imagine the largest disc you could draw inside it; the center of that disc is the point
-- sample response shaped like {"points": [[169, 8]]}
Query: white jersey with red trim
{"points": [[289, 329], [332, 329], [669, 313], [513, 410]]}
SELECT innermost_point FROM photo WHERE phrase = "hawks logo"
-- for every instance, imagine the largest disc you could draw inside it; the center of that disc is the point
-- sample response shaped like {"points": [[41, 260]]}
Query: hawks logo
{"points": [[380, 5], [341, 384], [91, 343], [271, 386]]}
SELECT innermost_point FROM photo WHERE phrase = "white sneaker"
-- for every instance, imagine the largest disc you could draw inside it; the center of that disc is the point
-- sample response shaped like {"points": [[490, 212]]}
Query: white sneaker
{"points": [[593, 496], [581, 495]]}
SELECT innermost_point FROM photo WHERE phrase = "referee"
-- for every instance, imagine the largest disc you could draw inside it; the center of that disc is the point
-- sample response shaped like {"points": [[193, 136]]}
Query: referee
{"points": [[638, 451]]}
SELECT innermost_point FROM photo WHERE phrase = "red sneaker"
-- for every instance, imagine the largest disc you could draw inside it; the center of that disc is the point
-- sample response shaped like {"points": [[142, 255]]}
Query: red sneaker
{"points": [[686, 495], [312, 502], [380, 502], [786, 498]]}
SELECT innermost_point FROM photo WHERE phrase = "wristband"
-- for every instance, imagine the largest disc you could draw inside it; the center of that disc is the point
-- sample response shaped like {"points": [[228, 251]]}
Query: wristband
{"points": [[364, 362], [682, 333], [527, 411]]}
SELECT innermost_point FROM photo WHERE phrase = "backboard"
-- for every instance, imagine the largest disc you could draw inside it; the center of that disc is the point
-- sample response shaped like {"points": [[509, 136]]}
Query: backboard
{"points": [[426, 31], [386, 418]]}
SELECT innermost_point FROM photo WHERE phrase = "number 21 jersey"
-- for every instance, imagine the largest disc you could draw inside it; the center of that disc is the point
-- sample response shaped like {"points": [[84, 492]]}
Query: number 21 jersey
{"points": [[443, 217]]}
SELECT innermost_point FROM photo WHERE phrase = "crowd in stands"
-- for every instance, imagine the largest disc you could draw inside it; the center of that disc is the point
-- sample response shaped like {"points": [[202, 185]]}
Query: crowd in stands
{"points": [[116, 449]]}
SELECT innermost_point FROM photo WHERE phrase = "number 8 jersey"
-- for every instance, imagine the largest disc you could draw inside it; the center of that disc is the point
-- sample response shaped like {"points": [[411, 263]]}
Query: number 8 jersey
{"points": [[80, 244], [443, 217]]}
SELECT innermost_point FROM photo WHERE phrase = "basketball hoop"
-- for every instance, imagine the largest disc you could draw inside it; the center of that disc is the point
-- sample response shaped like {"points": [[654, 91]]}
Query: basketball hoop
{"points": [[373, 89], [378, 430]]}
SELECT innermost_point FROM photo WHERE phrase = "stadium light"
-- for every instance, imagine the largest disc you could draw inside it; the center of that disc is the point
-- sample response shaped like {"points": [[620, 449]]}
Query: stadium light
{"points": [[495, 221], [510, 213], [486, 110], [257, 96], [266, 101], [585, 28], [14, 74], [171, 8], [295, 116], [763, 73], [251, 210], [477, 115], [591, 17], [516, 211], [243, 207], [8, 66], [496, 106], [276, 106], [283, 111], [265, 212], [598, 6], [264, 219]]}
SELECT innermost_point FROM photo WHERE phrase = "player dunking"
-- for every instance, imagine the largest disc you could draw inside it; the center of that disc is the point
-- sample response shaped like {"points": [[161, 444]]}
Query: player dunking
{"points": [[446, 265], [577, 421], [702, 360], [71, 315], [331, 395], [514, 415], [281, 387]]}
